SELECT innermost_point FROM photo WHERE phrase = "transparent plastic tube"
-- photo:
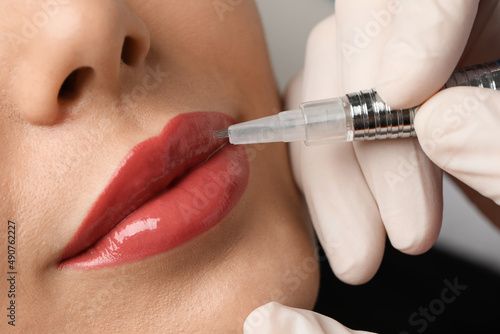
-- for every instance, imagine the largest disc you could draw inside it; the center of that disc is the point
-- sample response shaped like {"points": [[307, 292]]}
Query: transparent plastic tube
{"points": [[356, 116]]}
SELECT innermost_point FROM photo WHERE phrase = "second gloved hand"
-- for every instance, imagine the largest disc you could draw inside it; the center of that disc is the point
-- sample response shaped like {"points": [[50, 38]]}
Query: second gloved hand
{"points": [[274, 318]]}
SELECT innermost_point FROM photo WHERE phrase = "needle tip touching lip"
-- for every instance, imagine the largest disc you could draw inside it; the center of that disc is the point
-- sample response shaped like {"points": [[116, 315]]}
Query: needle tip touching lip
{"points": [[221, 134]]}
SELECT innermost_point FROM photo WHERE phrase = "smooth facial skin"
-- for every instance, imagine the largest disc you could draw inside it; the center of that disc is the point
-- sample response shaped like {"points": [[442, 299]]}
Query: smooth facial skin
{"points": [[59, 148]]}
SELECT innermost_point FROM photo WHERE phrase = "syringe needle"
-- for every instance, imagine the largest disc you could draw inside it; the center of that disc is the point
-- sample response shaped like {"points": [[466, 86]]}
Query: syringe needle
{"points": [[221, 134]]}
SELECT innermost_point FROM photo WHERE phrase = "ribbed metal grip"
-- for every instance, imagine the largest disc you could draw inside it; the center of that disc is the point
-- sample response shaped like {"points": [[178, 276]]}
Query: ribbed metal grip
{"points": [[373, 119], [485, 76]]}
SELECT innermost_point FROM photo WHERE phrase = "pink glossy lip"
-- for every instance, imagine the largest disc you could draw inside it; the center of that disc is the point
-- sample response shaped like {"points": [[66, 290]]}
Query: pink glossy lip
{"points": [[168, 190]]}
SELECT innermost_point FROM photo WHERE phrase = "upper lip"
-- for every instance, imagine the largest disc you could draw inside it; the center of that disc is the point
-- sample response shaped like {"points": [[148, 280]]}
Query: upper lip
{"points": [[149, 168]]}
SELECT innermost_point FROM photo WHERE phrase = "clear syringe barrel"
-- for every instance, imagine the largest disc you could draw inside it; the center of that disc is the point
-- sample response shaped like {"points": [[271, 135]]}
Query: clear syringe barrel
{"points": [[369, 118]]}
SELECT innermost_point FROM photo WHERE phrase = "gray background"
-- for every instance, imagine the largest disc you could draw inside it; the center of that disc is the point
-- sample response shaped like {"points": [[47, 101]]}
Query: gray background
{"points": [[287, 23]]}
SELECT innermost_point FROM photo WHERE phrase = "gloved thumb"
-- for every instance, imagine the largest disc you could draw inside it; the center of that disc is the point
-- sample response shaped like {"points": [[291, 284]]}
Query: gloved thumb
{"points": [[275, 318], [459, 130]]}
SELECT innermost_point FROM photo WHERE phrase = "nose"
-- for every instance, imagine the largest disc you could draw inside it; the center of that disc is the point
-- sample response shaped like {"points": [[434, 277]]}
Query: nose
{"points": [[83, 50]]}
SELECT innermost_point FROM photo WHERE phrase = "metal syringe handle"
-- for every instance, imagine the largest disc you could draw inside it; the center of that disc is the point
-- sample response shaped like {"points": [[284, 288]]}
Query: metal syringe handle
{"points": [[369, 118]]}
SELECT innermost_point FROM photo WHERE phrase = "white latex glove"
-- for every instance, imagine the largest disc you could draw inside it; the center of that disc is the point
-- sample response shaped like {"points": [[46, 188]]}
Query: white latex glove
{"points": [[274, 318], [460, 131], [356, 193]]}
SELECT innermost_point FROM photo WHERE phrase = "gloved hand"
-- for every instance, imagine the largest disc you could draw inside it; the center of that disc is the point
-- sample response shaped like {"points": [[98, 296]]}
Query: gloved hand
{"points": [[274, 318], [356, 193]]}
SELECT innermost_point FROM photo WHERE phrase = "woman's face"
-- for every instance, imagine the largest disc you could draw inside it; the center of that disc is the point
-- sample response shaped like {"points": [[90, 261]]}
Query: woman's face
{"points": [[102, 177]]}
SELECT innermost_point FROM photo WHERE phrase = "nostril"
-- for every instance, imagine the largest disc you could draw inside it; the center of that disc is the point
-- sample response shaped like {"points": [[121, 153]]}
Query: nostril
{"points": [[130, 51], [74, 83]]}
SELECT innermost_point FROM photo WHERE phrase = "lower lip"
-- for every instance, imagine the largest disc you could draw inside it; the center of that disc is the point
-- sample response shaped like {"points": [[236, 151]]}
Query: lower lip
{"points": [[193, 205]]}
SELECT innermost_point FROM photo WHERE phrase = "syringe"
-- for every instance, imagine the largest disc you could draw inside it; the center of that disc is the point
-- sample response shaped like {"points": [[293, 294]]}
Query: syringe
{"points": [[356, 116]]}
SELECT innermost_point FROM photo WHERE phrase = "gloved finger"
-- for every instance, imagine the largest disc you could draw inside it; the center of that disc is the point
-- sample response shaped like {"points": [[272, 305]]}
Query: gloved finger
{"points": [[274, 318], [459, 130], [404, 183], [428, 38], [343, 211], [408, 189], [363, 29]]}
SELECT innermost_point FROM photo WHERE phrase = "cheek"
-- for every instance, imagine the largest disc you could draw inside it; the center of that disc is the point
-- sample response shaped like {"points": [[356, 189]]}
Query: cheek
{"points": [[263, 269], [283, 241], [294, 280]]}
